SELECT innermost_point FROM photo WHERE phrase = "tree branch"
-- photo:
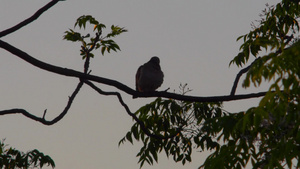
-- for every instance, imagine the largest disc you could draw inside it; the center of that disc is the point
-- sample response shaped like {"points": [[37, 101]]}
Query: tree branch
{"points": [[73, 73], [42, 119], [29, 20], [142, 125], [238, 76]]}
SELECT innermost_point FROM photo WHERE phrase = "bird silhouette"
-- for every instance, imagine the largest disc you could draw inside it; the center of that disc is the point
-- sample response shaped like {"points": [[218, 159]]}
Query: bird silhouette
{"points": [[149, 76]]}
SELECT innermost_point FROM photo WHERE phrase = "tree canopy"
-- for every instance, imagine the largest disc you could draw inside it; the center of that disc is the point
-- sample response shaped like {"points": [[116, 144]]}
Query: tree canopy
{"points": [[265, 136]]}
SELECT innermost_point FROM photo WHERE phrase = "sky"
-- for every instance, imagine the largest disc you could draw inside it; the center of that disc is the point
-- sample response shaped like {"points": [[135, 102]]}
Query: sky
{"points": [[194, 39]]}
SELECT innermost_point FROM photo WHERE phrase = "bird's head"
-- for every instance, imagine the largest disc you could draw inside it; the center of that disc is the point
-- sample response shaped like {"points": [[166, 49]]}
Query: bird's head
{"points": [[154, 60]]}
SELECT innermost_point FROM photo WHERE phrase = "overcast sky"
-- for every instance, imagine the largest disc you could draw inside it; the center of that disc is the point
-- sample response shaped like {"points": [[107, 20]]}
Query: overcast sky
{"points": [[194, 39]]}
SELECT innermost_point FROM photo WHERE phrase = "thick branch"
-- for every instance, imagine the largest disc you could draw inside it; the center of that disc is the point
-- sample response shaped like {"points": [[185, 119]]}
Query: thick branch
{"points": [[142, 125], [62, 71], [118, 85], [29, 20], [42, 119]]}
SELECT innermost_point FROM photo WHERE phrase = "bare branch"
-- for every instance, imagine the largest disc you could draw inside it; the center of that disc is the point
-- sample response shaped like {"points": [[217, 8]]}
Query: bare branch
{"points": [[42, 119], [29, 20], [118, 85], [142, 125]]}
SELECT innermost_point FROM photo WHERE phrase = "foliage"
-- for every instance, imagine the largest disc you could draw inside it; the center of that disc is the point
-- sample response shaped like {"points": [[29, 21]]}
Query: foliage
{"points": [[99, 41], [11, 158], [267, 136], [177, 126], [275, 31]]}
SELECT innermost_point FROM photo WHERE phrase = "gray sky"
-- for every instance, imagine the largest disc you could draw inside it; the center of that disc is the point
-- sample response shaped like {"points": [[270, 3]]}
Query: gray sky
{"points": [[195, 41]]}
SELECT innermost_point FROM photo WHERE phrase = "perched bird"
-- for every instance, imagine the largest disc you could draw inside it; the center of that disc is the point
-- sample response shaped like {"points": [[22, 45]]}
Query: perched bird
{"points": [[149, 76]]}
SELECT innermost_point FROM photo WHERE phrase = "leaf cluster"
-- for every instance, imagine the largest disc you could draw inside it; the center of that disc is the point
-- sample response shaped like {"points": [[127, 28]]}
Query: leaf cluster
{"points": [[177, 126], [273, 32], [12, 158], [267, 135], [98, 41]]}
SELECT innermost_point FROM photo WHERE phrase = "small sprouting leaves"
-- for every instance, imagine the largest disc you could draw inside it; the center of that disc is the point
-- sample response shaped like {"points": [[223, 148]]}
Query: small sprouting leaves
{"points": [[90, 43], [115, 30], [108, 45], [99, 27], [72, 36], [81, 21]]}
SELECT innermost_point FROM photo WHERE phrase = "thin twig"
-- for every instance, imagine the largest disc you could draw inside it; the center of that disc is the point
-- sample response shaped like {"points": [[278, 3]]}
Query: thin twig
{"points": [[42, 119], [86, 64], [142, 125]]}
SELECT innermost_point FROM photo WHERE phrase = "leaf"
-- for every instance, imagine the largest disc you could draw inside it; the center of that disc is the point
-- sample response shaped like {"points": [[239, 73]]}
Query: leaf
{"points": [[154, 154], [103, 50], [239, 38], [99, 27], [180, 157], [72, 36], [115, 30], [122, 141], [82, 20], [135, 132], [188, 158], [129, 138]]}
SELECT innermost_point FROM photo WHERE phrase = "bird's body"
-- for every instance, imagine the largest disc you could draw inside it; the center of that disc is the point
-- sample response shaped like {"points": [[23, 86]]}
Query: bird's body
{"points": [[149, 76]]}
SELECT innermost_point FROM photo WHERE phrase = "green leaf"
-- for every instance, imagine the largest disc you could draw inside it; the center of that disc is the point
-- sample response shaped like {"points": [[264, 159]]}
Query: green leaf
{"points": [[154, 154], [135, 132], [103, 50], [180, 157], [72, 36], [129, 138], [99, 27], [81, 21]]}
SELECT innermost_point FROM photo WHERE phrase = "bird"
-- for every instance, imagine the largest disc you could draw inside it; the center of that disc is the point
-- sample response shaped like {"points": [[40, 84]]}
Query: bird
{"points": [[149, 76]]}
